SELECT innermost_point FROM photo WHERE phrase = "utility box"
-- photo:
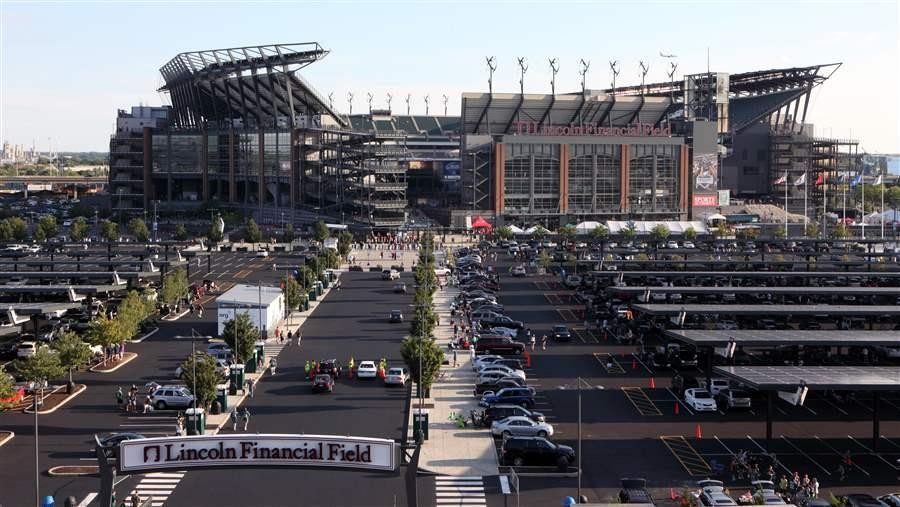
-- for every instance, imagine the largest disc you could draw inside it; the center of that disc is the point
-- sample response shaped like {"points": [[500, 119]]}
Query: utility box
{"points": [[195, 421], [250, 367], [237, 377], [420, 423], [222, 396]]}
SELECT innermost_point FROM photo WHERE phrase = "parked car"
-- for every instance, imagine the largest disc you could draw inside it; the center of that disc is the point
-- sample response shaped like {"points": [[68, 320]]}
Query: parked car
{"points": [[498, 384], [397, 376], [502, 411], [172, 397], [766, 490], [733, 398], [484, 359], [700, 400], [27, 349], [635, 491], [502, 320], [712, 494], [572, 281], [500, 345], [502, 369], [535, 451], [521, 426], [862, 500], [515, 395], [323, 383], [366, 369]]}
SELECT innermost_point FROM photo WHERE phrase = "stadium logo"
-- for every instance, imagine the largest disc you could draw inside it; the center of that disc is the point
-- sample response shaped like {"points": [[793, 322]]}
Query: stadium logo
{"points": [[638, 130]]}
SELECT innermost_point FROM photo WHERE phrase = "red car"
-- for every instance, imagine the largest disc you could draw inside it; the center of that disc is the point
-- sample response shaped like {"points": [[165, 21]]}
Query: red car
{"points": [[323, 383]]}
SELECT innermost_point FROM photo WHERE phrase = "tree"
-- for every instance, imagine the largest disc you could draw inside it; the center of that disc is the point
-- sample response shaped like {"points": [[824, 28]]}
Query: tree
{"points": [[175, 287], [213, 234], [690, 234], [48, 226], [320, 231], [748, 233], [840, 231], [567, 232], [306, 277], [132, 311], [505, 232], [659, 233], [109, 230], [106, 332], [289, 233], [724, 231], [42, 367], [180, 232], [330, 259], [7, 387], [412, 348], [315, 266], [544, 260], [19, 228], [208, 377], [345, 240], [79, 230], [812, 230], [6, 233], [73, 352], [138, 228], [254, 235], [539, 233], [241, 335], [39, 234], [600, 233], [781, 232], [293, 293], [629, 232]]}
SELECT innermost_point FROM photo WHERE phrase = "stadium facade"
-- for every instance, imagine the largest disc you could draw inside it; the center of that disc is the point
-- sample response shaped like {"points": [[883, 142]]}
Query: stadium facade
{"points": [[245, 130]]}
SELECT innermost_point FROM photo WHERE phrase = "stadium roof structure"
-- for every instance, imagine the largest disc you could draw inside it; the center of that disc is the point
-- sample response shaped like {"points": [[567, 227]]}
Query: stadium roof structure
{"points": [[773, 338], [766, 310], [812, 291], [253, 84], [751, 274], [783, 378]]}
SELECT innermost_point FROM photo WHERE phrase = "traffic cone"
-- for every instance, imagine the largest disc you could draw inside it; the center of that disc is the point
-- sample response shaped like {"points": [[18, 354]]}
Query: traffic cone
{"points": [[672, 494], [634, 364], [652, 383], [676, 407], [699, 434]]}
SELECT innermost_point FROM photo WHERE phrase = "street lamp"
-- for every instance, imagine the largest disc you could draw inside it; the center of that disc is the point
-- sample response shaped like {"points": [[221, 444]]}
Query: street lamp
{"points": [[194, 335], [578, 452]]}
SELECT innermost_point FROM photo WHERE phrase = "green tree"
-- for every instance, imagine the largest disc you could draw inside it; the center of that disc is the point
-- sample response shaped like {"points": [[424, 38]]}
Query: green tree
{"points": [[812, 230], [42, 367], [629, 232], [412, 348], [315, 266], [307, 278], [241, 335], [175, 287], [49, 227], [781, 232], [293, 293], [19, 228], [109, 230], [289, 233], [138, 228], [659, 233], [567, 233], [690, 234], [7, 386], [6, 232], [39, 234], [345, 240], [180, 232], [79, 230], [747, 233], [213, 234], [600, 233], [254, 235], [544, 260], [73, 352], [505, 232], [330, 259], [840, 231], [208, 377], [539, 233], [132, 311], [321, 232], [106, 332]]}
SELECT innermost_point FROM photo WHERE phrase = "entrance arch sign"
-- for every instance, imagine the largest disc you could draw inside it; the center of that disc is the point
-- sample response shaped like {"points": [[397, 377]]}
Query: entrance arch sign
{"points": [[242, 450]]}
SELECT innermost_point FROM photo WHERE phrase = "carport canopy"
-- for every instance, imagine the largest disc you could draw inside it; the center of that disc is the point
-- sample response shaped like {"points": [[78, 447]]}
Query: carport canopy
{"points": [[812, 291], [768, 310], [841, 378], [752, 274], [775, 338]]}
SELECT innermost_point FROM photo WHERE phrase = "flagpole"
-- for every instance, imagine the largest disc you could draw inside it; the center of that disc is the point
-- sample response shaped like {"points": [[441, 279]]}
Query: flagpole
{"points": [[862, 182], [805, 202], [786, 185], [882, 205], [824, 204]]}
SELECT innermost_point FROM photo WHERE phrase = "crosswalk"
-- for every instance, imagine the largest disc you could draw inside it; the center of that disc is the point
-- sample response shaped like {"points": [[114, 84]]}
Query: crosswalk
{"points": [[159, 485], [465, 491]]}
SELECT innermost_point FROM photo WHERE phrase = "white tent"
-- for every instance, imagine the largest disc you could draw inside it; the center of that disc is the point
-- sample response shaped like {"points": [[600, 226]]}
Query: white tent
{"points": [[888, 216], [644, 227], [531, 230], [586, 227], [515, 229]]}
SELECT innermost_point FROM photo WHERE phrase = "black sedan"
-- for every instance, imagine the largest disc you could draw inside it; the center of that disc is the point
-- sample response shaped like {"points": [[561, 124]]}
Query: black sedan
{"points": [[561, 333], [502, 321], [498, 384], [330, 367], [323, 383], [110, 442]]}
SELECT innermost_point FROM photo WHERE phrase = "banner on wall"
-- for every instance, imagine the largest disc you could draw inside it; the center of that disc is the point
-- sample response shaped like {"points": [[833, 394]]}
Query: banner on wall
{"points": [[706, 172]]}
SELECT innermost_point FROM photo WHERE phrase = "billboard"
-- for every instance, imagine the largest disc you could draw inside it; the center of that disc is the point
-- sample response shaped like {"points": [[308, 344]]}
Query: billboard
{"points": [[451, 171], [706, 172]]}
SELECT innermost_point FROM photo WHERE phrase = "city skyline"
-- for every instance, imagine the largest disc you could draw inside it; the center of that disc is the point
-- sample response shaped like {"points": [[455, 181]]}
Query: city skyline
{"points": [[434, 49]]}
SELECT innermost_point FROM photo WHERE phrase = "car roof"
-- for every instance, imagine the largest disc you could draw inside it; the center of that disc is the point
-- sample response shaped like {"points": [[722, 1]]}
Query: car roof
{"points": [[516, 418]]}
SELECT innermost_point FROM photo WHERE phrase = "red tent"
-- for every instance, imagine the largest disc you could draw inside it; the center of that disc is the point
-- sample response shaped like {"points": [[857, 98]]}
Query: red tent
{"points": [[480, 223]]}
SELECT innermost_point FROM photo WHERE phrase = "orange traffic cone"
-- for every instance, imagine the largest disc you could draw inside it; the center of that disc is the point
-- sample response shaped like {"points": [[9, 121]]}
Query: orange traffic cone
{"points": [[699, 432], [672, 494], [676, 407], [652, 383]]}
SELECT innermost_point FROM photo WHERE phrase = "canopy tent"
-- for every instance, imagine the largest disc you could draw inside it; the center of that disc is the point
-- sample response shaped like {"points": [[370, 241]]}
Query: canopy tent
{"points": [[586, 227], [715, 217], [516, 230], [889, 216], [644, 227], [480, 223], [534, 228]]}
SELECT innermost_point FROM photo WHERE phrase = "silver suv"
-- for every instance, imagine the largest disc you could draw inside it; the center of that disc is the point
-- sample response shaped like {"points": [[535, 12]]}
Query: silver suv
{"points": [[172, 397]]}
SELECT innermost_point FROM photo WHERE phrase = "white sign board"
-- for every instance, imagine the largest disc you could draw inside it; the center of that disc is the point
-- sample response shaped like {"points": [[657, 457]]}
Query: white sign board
{"points": [[257, 450]]}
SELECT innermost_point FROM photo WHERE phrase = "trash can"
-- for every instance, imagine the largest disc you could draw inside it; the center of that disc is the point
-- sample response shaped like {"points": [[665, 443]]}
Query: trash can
{"points": [[222, 396], [318, 288], [195, 421], [330, 275], [420, 423], [306, 305], [260, 349], [237, 377], [250, 367], [312, 296]]}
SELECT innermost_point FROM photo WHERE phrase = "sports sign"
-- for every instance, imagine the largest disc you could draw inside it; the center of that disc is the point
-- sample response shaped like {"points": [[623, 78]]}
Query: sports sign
{"points": [[257, 450]]}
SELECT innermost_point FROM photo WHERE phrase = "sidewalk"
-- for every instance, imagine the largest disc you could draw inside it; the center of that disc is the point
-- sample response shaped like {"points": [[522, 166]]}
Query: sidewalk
{"points": [[215, 422], [450, 450]]}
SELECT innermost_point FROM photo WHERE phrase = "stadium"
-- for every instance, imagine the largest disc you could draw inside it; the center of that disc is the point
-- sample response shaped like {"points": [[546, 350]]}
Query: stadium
{"points": [[245, 130]]}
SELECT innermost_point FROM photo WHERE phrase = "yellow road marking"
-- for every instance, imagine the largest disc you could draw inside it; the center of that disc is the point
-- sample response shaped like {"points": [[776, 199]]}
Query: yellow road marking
{"points": [[641, 401], [685, 453]]}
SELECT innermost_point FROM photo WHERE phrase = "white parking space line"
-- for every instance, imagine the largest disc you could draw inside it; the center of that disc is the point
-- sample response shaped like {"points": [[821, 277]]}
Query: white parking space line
{"points": [[841, 455], [88, 499], [839, 409], [638, 359], [873, 453], [678, 401], [807, 456]]}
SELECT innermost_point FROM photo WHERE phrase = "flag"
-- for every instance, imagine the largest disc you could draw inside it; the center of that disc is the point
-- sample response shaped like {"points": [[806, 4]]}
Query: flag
{"points": [[842, 178], [820, 180], [781, 180], [801, 180], [856, 181], [879, 180]]}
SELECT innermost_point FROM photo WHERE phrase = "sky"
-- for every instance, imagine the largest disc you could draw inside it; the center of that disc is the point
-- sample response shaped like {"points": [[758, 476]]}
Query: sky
{"points": [[67, 66]]}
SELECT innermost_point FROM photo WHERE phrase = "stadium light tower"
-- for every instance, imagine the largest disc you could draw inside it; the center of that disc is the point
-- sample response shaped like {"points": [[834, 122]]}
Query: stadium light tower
{"points": [[523, 68], [350, 101], [408, 98], [389, 98], [369, 97], [644, 70], [331, 100], [583, 72], [492, 66], [445, 98], [554, 68], [427, 101], [614, 66]]}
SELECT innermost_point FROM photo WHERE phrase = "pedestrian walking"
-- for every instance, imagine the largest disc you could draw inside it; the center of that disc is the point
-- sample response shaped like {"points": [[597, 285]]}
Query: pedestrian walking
{"points": [[544, 342], [532, 340], [454, 358], [299, 337], [246, 418], [290, 337], [234, 419], [814, 487], [272, 364], [472, 352], [306, 367], [147, 406], [249, 387], [120, 398]]}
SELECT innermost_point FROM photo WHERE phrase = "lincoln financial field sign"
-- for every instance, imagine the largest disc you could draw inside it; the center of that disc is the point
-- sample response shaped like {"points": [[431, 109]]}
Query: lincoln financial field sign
{"points": [[533, 128], [257, 450]]}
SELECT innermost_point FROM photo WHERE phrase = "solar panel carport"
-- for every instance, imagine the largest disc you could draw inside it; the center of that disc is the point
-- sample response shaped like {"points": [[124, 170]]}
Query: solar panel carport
{"points": [[749, 274], [770, 379], [768, 310], [814, 291]]}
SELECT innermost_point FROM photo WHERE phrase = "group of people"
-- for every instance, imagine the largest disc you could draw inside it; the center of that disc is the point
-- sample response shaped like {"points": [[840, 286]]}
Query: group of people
{"points": [[115, 352], [795, 489], [242, 416], [129, 402]]}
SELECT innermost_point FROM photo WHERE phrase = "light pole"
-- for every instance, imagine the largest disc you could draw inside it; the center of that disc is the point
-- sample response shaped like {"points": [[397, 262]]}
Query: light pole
{"points": [[37, 467], [578, 451], [194, 374]]}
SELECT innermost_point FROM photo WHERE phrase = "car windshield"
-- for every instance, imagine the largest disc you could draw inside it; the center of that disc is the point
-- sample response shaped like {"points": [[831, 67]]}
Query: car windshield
{"points": [[701, 394], [560, 329], [322, 378], [739, 394]]}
